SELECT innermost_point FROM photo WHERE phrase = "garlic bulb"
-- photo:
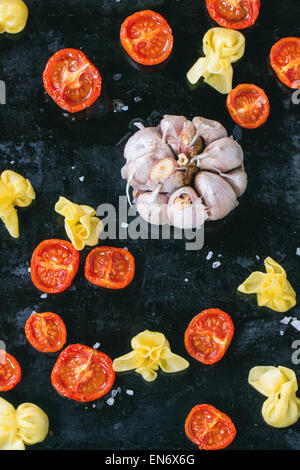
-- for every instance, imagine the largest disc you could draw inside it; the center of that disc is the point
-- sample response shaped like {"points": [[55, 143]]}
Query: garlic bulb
{"points": [[163, 163]]}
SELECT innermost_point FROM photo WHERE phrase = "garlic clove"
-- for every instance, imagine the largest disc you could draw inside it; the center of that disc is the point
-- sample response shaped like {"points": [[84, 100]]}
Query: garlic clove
{"points": [[238, 180], [152, 207], [224, 155], [185, 209], [209, 130], [216, 193]]}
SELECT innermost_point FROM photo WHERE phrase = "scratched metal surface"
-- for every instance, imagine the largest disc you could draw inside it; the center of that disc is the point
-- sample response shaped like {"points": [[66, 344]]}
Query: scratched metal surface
{"points": [[37, 141]]}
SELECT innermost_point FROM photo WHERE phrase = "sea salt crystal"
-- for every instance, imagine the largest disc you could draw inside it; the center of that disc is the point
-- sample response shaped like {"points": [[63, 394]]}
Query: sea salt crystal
{"points": [[81, 178], [137, 99], [285, 320], [298, 252], [186, 280], [44, 296], [220, 255], [29, 270], [216, 264], [12, 162], [257, 257], [115, 392], [94, 405], [129, 392], [117, 76], [110, 401], [72, 167], [296, 324], [96, 346], [209, 255]]}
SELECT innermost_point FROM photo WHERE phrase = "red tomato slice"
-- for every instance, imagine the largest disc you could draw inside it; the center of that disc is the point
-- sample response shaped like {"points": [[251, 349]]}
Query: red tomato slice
{"points": [[234, 14], [248, 105], [54, 264], [208, 336], [46, 332], [82, 373], [110, 267], [10, 371], [209, 428], [285, 60], [147, 37], [71, 80]]}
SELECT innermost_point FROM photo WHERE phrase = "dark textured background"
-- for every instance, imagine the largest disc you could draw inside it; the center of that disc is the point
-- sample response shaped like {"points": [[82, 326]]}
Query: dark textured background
{"points": [[44, 146]]}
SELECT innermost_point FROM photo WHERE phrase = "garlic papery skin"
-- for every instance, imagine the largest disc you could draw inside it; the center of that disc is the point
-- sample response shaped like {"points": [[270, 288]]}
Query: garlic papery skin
{"points": [[209, 130], [185, 209], [223, 155], [238, 180], [152, 207], [144, 142], [216, 193]]}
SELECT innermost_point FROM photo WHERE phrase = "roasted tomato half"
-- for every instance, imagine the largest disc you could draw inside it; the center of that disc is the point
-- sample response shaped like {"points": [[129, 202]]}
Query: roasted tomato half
{"points": [[10, 371], [147, 37], [248, 105], [46, 332], [82, 373], [208, 336], [71, 80], [209, 428], [54, 264], [285, 60], [234, 14], [110, 267]]}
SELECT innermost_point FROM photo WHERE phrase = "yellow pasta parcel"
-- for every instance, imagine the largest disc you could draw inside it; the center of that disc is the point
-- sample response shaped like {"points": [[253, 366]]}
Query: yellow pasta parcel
{"points": [[15, 190], [279, 385], [81, 225], [150, 351], [272, 288], [28, 424], [221, 47], [13, 16]]}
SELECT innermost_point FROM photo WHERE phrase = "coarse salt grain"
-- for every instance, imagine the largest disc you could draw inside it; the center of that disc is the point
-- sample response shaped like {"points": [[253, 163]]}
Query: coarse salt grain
{"points": [[96, 346], [298, 252], [81, 178], [29, 270], [285, 320], [110, 401], [186, 280], [296, 324], [209, 255], [44, 296], [216, 264], [129, 392]]}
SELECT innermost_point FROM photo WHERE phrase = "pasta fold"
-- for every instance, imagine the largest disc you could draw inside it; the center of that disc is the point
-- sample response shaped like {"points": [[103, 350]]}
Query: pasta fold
{"points": [[272, 288], [13, 16], [81, 225], [279, 385], [151, 351], [221, 47], [27, 424], [15, 190]]}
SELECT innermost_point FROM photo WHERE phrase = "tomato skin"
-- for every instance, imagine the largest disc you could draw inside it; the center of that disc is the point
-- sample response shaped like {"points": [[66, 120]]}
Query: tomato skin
{"points": [[253, 7], [90, 357], [104, 256], [34, 331], [246, 92], [13, 367], [203, 425], [283, 70], [204, 322], [131, 43], [57, 92], [65, 272]]}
